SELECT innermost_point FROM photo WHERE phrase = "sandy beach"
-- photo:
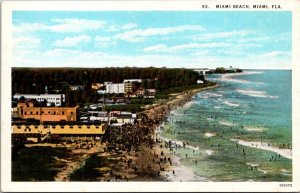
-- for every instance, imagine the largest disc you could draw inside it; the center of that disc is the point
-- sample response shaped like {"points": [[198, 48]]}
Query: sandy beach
{"points": [[287, 153]]}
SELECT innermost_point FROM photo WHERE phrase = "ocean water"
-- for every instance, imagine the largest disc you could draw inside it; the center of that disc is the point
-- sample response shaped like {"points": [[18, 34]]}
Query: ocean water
{"points": [[252, 106]]}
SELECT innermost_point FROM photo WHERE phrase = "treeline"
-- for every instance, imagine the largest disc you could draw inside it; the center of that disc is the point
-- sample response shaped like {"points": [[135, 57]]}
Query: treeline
{"points": [[40, 80], [34, 80], [222, 70]]}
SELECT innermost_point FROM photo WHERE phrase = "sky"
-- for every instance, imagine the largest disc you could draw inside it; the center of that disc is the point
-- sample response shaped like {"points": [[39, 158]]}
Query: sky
{"points": [[175, 39]]}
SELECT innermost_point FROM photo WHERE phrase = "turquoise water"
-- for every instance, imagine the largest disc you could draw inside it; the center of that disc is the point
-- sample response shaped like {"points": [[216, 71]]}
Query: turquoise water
{"points": [[253, 106]]}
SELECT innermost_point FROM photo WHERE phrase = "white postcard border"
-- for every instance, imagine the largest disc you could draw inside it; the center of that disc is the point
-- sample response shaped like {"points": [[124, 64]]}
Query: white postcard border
{"points": [[6, 61]]}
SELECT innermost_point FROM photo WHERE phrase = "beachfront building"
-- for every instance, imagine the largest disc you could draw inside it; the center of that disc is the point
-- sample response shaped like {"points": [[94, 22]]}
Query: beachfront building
{"points": [[14, 112], [56, 99], [200, 82], [114, 88], [150, 93], [122, 117], [27, 110], [101, 116], [126, 118], [145, 93], [62, 131]]}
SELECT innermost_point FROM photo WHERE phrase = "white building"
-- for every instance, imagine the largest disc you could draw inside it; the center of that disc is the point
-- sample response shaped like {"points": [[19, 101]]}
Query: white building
{"points": [[115, 87], [132, 80], [98, 116], [56, 99]]}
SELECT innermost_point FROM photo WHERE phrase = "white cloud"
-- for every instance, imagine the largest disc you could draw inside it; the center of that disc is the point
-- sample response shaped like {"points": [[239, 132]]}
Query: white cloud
{"points": [[129, 26], [61, 26], [26, 42], [115, 28], [72, 41], [276, 54], [209, 36], [161, 48], [140, 34], [103, 41]]}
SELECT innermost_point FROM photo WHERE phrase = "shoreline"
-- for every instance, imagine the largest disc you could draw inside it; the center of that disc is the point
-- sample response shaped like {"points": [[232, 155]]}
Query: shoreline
{"points": [[177, 172]]}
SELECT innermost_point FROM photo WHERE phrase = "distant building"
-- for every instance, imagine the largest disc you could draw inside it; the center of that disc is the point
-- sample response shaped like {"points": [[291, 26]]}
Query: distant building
{"points": [[26, 110], [100, 91], [202, 71], [130, 95], [122, 117], [140, 92], [128, 87], [14, 112], [200, 82], [132, 80], [96, 86], [125, 118], [150, 93], [128, 84], [76, 87], [231, 69], [56, 99], [101, 116], [145, 93], [117, 88]]}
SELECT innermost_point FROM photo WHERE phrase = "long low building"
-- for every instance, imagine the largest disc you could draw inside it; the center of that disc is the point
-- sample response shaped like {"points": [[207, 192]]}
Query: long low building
{"points": [[63, 131], [56, 99]]}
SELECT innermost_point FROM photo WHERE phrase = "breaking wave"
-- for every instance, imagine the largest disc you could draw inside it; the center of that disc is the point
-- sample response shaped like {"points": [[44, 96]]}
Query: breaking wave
{"points": [[256, 93]]}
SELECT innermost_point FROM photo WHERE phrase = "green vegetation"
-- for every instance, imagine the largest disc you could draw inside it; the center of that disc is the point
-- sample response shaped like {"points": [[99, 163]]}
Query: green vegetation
{"points": [[142, 101], [222, 70], [36, 163], [36, 80], [128, 107], [88, 171]]}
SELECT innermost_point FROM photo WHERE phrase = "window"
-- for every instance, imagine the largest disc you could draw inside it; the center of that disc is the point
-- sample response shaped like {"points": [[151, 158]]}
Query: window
{"points": [[54, 113], [37, 113], [71, 127], [72, 112], [62, 113]]}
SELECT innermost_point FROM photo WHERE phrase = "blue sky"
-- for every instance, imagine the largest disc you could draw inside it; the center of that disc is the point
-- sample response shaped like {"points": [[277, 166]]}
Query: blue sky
{"points": [[191, 39]]}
